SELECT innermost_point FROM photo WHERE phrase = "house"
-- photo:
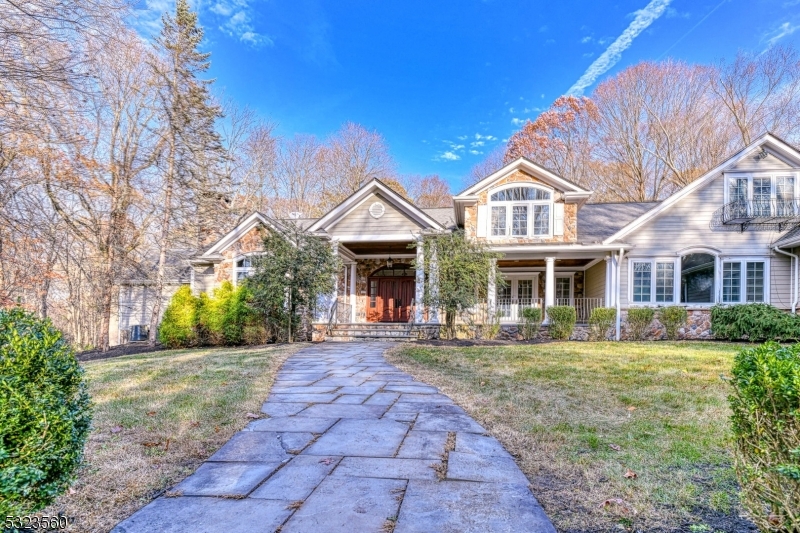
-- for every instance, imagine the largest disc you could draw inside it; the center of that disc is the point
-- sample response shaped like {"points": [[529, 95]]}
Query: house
{"points": [[729, 237]]}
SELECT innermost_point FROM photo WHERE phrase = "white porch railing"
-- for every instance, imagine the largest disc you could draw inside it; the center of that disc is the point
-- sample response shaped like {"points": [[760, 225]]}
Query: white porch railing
{"points": [[510, 309], [583, 306]]}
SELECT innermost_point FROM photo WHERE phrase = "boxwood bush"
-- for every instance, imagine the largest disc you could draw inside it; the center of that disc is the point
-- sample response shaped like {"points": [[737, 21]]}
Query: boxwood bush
{"points": [[754, 322], [766, 426], [178, 327], [562, 321], [600, 321], [639, 320], [530, 322], [45, 413], [673, 318]]}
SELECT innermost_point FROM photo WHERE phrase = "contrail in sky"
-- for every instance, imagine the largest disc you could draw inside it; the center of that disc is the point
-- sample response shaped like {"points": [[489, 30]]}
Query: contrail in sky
{"points": [[609, 58]]}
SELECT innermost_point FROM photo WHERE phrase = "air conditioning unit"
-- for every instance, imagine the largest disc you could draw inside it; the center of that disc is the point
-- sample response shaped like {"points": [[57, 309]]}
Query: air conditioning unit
{"points": [[139, 333]]}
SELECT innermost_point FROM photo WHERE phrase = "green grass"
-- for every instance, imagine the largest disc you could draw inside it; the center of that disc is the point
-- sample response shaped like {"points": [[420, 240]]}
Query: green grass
{"points": [[157, 417], [579, 416]]}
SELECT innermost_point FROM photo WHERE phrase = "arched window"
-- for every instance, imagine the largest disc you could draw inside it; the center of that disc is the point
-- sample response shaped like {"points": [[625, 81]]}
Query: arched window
{"points": [[521, 211], [697, 278]]}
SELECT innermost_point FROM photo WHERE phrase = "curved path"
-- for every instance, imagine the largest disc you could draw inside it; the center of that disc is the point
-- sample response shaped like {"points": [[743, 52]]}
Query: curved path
{"points": [[352, 444]]}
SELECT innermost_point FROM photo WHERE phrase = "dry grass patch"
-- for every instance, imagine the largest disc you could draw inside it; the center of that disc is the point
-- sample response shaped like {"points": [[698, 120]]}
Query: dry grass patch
{"points": [[612, 436], [157, 417]]}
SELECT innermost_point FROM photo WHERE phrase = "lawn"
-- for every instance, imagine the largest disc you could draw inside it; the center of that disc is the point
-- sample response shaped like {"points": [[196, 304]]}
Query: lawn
{"points": [[157, 417], [613, 436]]}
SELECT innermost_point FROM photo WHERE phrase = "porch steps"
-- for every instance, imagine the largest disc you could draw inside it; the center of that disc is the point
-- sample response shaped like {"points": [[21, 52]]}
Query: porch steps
{"points": [[372, 331]]}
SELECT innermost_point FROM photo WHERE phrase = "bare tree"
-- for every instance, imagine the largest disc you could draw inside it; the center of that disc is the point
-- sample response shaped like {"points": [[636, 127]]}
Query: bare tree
{"points": [[353, 156], [493, 162], [298, 184], [429, 191]]}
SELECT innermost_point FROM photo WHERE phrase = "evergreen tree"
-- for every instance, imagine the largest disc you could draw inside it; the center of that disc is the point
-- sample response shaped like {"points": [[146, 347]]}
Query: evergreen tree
{"points": [[194, 188]]}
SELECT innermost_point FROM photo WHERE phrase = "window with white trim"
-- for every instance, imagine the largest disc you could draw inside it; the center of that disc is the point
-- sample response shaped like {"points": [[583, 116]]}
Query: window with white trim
{"points": [[653, 281], [521, 211], [769, 195], [244, 269], [743, 281]]}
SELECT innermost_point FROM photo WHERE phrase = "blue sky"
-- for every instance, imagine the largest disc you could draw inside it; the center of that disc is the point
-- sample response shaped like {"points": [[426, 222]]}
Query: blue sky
{"points": [[448, 81]]}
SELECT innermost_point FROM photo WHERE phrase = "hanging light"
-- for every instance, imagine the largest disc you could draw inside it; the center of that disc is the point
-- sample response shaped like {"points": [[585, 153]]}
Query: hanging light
{"points": [[389, 263]]}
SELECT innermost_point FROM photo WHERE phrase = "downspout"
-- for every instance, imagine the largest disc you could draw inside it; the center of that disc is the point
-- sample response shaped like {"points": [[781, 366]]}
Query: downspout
{"points": [[619, 291], [794, 280]]}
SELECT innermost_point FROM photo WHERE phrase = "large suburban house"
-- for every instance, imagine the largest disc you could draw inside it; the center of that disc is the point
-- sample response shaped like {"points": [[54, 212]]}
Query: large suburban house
{"points": [[729, 237]]}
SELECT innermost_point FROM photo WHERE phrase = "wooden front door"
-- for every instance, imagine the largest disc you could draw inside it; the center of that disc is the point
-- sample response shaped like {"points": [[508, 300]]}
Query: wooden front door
{"points": [[392, 299]]}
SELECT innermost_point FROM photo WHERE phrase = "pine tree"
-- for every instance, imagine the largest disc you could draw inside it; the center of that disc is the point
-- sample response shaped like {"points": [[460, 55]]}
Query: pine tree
{"points": [[194, 188]]}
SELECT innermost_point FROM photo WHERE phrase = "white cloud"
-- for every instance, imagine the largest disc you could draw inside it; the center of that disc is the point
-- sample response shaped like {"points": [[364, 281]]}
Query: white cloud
{"points": [[588, 54], [587, 39], [232, 17], [476, 143], [448, 156], [490, 138], [787, 28], [462, 137], [674, 13], [518, 121], [510, 109], [475, 152], [643, 19]]}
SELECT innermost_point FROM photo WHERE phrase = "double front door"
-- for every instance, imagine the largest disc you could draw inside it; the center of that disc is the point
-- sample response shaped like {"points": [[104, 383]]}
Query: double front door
{"points": [[390, 299]]}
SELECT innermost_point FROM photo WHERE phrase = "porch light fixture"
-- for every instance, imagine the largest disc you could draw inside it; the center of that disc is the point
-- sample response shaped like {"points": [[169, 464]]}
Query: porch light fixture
{"points": [[389, 263]]}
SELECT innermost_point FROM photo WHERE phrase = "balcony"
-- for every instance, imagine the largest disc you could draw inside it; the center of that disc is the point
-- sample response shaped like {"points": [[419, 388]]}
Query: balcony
{"points": [[773, 213]]}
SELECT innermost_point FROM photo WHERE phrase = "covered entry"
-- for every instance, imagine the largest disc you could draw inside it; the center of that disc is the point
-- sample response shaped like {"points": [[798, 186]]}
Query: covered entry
{"points": [[391, 294]]}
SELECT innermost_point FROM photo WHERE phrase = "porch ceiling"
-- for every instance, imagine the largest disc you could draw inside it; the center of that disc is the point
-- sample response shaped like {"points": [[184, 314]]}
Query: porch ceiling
{"points": [[379, 248], [539, 263]]}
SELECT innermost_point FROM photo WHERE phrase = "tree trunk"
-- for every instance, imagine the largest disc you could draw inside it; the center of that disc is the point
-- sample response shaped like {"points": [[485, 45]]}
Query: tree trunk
{"points": [[162, 254]]}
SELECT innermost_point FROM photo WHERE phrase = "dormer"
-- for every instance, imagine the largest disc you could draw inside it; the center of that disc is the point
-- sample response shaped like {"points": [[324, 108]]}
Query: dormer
{"points": [[521, 203]]}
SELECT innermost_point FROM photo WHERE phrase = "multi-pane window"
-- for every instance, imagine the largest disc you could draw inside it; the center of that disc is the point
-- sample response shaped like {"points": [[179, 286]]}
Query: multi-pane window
{"points": [[541, 219], [665, 282], [504, 292], [563, 286], [244, 268], [743, 281], [642, 279], [762, 193], [731, 282], [498, 220], [755, 282], [737, 194], [373, 293], [525, 289], [519, 220], [784, 195], [524, 211]]}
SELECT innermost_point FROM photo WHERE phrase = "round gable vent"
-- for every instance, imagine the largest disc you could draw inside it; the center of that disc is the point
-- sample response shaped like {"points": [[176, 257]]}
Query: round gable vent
{"points": [[377, 210]]}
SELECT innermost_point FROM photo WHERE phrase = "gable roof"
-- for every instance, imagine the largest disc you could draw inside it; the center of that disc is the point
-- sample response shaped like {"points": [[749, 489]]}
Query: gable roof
{"points": [[769, 140], [252, 221], [599, 221], [375, 186], [524, 164]]}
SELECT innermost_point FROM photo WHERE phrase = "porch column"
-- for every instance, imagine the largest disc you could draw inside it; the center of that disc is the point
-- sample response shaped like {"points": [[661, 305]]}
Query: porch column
{"points": [[419, 289], [608, 286], [335, 294], [491, 292], [549, 285], [433, 317], [352, 292]]}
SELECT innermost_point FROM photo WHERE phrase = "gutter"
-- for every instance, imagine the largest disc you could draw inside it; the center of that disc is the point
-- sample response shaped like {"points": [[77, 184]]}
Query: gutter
{"points": [[794, 276], [619, 291]]}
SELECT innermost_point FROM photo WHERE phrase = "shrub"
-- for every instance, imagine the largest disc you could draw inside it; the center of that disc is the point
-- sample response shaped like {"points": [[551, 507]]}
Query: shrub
{"points": [[562, 321], [45, 413], [766, 427], [179, 326], [673, 318], [600, 321], [530, 323], [755, 322], [639, 320]]}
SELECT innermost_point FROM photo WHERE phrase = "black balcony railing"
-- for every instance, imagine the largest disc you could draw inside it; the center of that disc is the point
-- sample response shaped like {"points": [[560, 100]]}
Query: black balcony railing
{"points": [[778, 213]]}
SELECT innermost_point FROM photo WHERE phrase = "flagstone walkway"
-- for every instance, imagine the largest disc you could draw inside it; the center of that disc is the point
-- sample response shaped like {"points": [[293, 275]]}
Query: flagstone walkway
{"points": [[351, 444]]}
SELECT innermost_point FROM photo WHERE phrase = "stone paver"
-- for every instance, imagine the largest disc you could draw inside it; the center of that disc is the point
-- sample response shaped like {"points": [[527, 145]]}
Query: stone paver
{"points": [[349, 443]]}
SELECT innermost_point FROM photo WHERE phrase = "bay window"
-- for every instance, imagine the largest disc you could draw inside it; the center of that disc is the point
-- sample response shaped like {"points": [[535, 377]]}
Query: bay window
{"points": [[521, 211]]}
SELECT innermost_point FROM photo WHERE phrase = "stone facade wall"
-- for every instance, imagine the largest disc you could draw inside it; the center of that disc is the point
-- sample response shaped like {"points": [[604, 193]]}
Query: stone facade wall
{"points": [[698, 327], [252, 241], [570, 215]]}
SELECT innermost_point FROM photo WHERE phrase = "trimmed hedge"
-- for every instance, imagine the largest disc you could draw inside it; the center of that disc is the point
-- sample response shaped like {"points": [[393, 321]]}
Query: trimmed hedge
{"points": [[562, 321], [178, 327], [766, 426], [639, 320], [673, 319], [754, 322], [600, 321], [45, 413], [530, 323]]}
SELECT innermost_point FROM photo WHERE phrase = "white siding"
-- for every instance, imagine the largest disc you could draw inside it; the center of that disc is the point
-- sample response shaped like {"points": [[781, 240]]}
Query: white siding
{"points": [[204, 280], [756, 163], [360, 222], [136, 305]]}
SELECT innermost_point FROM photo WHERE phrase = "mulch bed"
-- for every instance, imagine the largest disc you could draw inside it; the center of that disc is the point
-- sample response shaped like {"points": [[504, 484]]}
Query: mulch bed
{"points": [[118, 351]]}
